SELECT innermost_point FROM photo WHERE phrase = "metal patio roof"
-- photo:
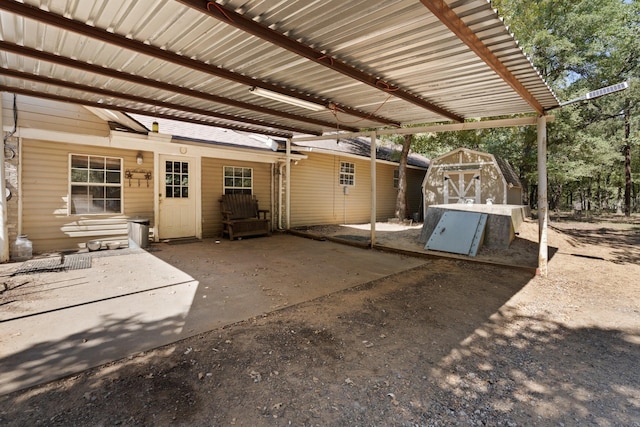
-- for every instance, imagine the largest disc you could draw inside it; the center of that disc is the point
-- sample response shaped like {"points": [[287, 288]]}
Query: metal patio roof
{"points": [[365, 63]]}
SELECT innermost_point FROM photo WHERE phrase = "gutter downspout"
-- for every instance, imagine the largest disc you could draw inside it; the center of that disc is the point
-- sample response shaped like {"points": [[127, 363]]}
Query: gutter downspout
{"points": [[543, 204], [288, 186], [372, 138], [279, 210], [4, 229]]}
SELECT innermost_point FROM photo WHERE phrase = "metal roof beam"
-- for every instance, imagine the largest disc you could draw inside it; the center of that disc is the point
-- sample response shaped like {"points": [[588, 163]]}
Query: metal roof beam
{"points": [[250, 26], [59, 21], [36, 94], [107, 105], [108, 72], [447, 16], [449, 127], [149, 101]]}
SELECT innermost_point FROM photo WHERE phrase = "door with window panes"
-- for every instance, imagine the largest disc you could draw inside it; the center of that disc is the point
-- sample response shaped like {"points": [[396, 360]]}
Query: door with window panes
{"points": [[177, 198]]}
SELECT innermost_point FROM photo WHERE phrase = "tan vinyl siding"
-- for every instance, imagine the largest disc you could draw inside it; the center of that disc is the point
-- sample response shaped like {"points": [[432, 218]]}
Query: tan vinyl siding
{"points": [[213, 187], [45, 186], [39, 113], [387, 194], [318, 198]]}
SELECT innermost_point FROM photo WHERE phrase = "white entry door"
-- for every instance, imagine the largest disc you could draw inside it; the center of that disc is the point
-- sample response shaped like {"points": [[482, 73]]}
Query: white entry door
{"points": [[462, 187], [177, 198]]}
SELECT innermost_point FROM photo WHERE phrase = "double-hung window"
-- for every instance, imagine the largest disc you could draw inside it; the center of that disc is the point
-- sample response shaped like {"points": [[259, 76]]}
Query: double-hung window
{"points": [[238, 180], [95, 185], [396, 178], [347, 173]]}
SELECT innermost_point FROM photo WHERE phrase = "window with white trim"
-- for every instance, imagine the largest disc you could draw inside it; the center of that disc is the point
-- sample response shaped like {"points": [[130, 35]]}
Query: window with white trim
{"points": [[347, 173], [238, 180], [396, 178], [95, 185], [176, 175]]}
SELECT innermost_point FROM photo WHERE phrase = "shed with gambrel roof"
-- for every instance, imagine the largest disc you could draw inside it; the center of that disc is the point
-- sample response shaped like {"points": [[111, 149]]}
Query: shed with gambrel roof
{"points": [[468, 176]]}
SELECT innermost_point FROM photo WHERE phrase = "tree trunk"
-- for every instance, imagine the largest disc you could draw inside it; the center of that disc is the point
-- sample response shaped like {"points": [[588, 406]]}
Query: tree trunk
{"points": [[533, 194], [627, 165], [401, 200], [599, 194]]}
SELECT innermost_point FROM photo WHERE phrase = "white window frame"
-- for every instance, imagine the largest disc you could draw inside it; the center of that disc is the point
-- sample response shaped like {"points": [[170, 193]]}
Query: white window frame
{"points": [[347, 175], [182, 185], [230, 189], [396, 178], [75, 198]]}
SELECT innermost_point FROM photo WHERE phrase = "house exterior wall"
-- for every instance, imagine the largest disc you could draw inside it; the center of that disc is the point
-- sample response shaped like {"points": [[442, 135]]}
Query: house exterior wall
{"points": [[213, 188], [414, 190], [39, 114], [318, 198], [56, 116], [387, 194], [45, 202]]}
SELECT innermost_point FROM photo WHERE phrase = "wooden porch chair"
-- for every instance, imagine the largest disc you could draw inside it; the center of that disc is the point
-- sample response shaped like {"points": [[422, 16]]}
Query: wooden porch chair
{"points": [[242, 217]]}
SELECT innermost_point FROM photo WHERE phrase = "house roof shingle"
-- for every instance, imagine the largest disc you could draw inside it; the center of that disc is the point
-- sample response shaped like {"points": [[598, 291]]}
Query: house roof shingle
{"points": [[218, 136]]}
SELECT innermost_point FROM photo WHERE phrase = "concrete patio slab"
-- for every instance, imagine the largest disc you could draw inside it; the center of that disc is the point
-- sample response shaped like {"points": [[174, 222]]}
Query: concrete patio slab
{"points": [[55, 324]]}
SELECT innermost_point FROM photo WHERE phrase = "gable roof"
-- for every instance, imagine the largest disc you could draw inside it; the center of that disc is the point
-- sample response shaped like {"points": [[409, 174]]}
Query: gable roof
{"points": [[508, 172], [218, 136], [362, 147], [194, 132], [367, 64]]}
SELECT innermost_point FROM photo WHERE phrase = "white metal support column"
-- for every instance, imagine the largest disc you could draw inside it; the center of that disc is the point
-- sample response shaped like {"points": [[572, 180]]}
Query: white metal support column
{"points": [[4, 230], [543, 204], [372, 138], [287, 188]]}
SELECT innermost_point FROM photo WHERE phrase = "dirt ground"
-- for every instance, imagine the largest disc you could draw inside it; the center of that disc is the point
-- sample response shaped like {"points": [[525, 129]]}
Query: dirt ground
{"points": [[450, 342]]}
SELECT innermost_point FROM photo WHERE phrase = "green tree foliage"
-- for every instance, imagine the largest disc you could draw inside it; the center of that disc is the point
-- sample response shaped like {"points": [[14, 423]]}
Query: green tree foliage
{"points": [[578, 46]]}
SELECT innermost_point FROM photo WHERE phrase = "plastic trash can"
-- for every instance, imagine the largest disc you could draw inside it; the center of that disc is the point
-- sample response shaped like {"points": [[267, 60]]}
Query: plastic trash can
{"points": [[138, 229]]}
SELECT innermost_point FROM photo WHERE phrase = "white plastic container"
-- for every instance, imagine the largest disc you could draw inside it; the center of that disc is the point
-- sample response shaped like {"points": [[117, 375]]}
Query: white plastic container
{"points": [[22, 249]]}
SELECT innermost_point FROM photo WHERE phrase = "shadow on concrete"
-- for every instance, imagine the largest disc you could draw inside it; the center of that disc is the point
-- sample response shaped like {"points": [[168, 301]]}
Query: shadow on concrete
{"points": [[87, 348]]}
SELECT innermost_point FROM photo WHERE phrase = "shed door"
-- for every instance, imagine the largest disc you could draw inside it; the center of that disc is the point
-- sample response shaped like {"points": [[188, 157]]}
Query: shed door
{"points": [[462, 187], [177, 201]]}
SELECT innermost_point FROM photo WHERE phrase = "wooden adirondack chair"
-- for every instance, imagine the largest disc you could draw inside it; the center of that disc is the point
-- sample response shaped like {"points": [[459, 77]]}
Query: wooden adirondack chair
{"points": [[241, 216]]}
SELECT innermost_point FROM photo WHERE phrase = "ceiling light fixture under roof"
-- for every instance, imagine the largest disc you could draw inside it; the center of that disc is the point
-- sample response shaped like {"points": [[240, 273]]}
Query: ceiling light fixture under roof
{"points": [[286, 99]]}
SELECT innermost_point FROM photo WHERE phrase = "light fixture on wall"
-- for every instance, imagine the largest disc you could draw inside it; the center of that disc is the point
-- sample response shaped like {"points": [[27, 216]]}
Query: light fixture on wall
{"points": [[286, 99], [155, 127], [139, 158]]}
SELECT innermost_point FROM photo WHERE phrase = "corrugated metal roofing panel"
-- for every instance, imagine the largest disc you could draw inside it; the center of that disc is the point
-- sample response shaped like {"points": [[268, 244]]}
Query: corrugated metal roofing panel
{"points": [[400, 42]]}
